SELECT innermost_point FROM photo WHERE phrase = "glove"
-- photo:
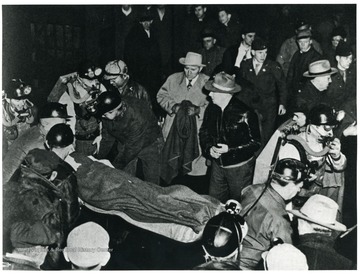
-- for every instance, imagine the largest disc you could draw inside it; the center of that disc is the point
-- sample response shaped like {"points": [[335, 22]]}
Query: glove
{"points": [[192, 110], [175, 108], [335, 148]]}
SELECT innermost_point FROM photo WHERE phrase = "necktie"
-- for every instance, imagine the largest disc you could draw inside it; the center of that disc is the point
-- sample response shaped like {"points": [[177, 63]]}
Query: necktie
{"points": [[257, 68], [189, 85], [344, 76]]}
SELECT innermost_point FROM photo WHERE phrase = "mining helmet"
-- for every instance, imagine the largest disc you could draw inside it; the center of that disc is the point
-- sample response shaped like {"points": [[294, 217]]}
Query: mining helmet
{"points": [[17, 89], [54, 110], [223, 235], [60, 136], [322, 115], [107, 101], [290, 170], [87, 69]]}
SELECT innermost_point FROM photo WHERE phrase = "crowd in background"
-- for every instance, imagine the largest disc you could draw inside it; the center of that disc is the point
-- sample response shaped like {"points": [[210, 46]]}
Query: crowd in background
{"points": [[261, 116]]}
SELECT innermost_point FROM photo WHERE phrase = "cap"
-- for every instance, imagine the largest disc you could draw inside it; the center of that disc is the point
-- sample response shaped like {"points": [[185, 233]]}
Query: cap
{"points": [[285, 257], [258, 44], [339, 31], [343, 49], [303, 34], [114, 69], [87, 244]]}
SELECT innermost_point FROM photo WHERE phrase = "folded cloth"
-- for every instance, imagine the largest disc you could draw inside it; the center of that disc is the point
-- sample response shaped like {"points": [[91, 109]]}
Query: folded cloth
{"points": [[181, 146]]}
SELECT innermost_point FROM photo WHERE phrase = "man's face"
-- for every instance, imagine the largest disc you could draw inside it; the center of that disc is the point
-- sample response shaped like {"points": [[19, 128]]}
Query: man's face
{"points": [[111, 115], [304, 43], [291, 189], [299, 118], [322, 130], [216, 97], [322, 82], [224, 17], [260, 55], [200, 12], [248, 38], [48, 123], [146, 24], [208, 42], [344, 62], [335, 41], [191, 72], [118, 81], [18, 104]]}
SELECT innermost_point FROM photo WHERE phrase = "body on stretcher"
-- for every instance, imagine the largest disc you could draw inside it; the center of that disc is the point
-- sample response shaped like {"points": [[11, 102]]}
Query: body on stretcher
{"points": [[177, 232]]}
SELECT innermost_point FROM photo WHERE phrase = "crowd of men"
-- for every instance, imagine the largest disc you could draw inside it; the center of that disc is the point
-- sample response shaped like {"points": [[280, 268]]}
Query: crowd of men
{"points": [[230, 115]]}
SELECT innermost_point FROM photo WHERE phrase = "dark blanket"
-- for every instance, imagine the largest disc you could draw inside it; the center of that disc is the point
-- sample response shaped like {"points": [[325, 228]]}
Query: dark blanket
{"points": [[112, 189], [181, 146]]}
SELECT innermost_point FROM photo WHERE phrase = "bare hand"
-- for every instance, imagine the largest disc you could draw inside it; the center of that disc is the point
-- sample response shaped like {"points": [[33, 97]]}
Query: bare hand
{"points": [[282, 110]]}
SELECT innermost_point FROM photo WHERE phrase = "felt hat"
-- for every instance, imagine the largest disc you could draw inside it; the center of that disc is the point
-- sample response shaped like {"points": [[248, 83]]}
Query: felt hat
{"points": [[320, 68], [192, 59], [320, 210], [223, 83]]}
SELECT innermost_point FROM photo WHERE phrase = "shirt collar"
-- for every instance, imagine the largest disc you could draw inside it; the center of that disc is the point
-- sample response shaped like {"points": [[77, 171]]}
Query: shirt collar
{"points": [[192, 81], [126, 12]]}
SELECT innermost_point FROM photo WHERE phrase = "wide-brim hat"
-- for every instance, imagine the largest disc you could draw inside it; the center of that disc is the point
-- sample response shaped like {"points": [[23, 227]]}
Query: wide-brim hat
{"points": [[320, 210], [223, 83], [192, 59], [320, 68]]}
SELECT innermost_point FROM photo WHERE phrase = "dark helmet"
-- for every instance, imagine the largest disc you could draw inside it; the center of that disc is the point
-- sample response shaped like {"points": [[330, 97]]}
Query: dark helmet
{"points": [[53, 110], [88, 70], [17, 89], [223, 234], [107, 101], [322, 115], [290, 170], [60, 136]]}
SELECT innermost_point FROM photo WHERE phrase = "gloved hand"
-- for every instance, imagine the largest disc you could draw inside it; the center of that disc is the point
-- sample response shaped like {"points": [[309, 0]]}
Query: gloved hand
{"points": [[175, 108], [192, 110], [335, 149]]}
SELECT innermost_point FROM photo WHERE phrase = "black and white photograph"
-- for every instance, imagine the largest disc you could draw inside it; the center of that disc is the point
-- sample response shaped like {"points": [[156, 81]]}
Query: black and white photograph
{"points": [[179, 136]]}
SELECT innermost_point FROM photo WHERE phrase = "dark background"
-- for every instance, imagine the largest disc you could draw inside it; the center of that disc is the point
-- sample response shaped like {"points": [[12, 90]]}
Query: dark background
{"points": [[40, 43]]}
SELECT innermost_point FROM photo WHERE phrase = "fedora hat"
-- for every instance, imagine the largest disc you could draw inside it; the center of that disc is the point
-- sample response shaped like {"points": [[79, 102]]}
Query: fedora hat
{"points": [[192, 59], [223, 83], [320, 210], [320, 68]]}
